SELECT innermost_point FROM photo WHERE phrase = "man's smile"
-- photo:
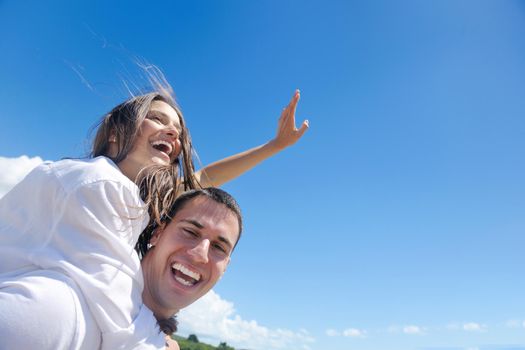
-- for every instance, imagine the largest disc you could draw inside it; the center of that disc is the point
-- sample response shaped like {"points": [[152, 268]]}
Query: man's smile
{"points": [[184, 275]]}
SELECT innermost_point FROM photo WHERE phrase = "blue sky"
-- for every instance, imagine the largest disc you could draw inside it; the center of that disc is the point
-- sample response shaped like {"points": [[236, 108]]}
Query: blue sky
{"points": [[396, 223]]}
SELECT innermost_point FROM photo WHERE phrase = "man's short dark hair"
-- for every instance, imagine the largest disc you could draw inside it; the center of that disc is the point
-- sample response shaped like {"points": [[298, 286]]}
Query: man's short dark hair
{"points": [[213, 193]]}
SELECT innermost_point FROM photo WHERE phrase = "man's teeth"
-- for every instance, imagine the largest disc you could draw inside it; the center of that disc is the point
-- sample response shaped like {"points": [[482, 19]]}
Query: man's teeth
{"points": [[164, 143], [183, 281], [181, 268]]}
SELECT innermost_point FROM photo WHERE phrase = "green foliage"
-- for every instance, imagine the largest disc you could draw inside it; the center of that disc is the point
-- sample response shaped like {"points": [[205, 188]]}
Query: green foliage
{"points": [[187, 344], [193, 338], [224, 346]]}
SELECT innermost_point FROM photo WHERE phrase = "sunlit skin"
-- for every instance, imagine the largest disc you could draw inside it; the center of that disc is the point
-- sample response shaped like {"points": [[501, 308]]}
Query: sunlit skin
{"points": [[200, 238], [171, 344], [162, 125], [229, 168]]}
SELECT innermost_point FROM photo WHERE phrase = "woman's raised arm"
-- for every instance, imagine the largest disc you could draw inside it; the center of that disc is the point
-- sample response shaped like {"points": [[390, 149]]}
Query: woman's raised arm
{"points": [[231, 167]]}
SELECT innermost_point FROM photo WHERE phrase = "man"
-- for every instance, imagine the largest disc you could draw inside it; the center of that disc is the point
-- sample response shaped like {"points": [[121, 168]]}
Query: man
{"points": [[186, 256], [182, 260]]}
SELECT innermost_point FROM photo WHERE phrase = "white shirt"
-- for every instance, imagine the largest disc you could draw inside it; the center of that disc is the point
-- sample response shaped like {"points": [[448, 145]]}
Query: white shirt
{"points": [[44, 309], [82, 218]]}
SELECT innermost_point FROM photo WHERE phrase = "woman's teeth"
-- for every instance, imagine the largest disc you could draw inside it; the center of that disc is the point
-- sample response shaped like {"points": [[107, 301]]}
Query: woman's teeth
{"points": [[163, 146]]}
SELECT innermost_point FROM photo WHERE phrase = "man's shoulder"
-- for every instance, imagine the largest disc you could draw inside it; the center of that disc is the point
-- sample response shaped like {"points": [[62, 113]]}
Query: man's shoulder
{"points": [[171, 344]]}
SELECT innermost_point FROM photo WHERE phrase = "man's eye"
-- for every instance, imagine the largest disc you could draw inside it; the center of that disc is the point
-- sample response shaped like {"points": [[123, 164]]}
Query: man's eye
{"points": [[190, 233], [220, 248]]}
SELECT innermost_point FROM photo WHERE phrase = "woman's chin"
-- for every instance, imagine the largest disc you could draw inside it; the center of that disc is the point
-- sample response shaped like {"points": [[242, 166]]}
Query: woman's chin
{"points": [[161, 161]]}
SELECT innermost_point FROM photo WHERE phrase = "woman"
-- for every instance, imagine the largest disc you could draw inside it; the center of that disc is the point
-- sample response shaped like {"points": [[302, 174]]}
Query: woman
{"points": [[82, 218]]}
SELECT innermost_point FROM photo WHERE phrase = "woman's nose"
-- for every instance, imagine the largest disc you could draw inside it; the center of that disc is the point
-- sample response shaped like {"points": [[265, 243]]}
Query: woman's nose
{"points": [[172, 132]]}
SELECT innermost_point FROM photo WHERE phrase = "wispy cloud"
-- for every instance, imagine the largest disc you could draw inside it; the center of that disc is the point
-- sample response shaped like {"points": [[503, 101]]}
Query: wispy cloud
{"points": [[515, 324], [467, 327], [474, 327], [14, 170], [349, 332], [332, 333], [354, 333], [446, 348], [477, 347], [215, 320], [407, 329], [412, 330]]}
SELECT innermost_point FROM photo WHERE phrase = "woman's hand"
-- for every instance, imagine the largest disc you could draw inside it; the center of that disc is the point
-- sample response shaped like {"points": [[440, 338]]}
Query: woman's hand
{"points": [[287, 132], [231, 167]]}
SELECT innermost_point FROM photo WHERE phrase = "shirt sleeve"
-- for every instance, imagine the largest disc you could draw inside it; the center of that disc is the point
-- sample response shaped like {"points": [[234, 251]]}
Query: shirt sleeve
{"points": [[93, 242]]}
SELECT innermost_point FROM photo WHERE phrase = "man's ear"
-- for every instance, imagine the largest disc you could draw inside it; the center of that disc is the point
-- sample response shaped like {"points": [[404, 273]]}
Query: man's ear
{"points": [[156, 234]]}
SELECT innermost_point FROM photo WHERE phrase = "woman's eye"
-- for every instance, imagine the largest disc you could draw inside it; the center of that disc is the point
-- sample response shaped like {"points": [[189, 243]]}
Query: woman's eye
{"points": [[155, 118]]}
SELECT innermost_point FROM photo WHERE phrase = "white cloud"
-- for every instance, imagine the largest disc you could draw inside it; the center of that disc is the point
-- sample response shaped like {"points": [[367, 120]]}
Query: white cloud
{"points": [[14, 170], [349, 332], [214, 320], [473, 327], [354, 333], [412, 330], [408, 329], [515, 324], [332, 333]]}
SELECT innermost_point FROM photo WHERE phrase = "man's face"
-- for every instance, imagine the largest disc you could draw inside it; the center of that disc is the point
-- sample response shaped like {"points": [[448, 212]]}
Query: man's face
{"points": [[189, 256]]}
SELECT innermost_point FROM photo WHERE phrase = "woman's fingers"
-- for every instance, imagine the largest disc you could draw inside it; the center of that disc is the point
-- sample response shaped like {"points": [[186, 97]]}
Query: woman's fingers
{"points": [[288, 113], [303, 128]]}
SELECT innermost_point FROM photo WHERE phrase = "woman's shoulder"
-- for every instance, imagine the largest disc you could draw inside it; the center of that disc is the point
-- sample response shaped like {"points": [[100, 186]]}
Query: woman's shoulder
{"points": [[80, 172], [68, 178], [99, 166]]}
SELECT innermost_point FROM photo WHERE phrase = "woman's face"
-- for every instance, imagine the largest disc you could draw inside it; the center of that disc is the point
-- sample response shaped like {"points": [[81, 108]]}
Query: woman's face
{"points": [[157, 142]]}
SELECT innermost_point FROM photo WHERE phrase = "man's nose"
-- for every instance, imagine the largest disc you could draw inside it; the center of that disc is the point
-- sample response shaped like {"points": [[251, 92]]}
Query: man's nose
{"points": [[199, 252]]}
